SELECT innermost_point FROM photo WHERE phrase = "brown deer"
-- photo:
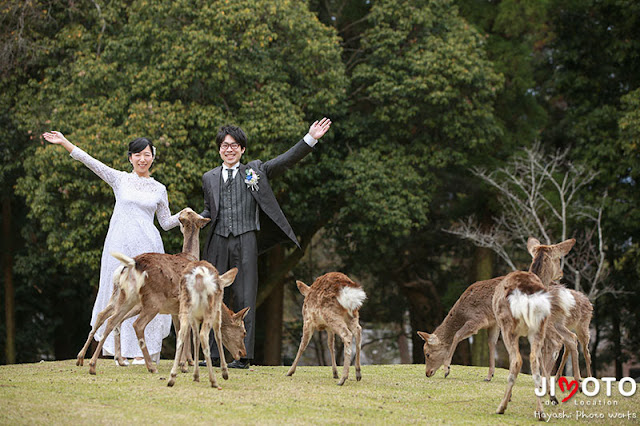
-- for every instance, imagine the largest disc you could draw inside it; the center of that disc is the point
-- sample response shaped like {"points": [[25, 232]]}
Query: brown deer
{"points": [[332, 303], [577, 320], [127, 295], [471, 313], [152, 281], [201, 293], [522, 307]]}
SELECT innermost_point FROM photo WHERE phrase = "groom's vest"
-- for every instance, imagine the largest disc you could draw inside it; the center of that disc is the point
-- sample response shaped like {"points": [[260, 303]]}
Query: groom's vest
{"points": [[238, 210]]}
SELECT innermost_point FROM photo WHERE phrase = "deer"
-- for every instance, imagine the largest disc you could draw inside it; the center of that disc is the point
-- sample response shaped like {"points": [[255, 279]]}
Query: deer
{"points": [[201, 293], [332, 303], [576, 320], [471, 313], [190, 224], [522, 307], [149, 284]]}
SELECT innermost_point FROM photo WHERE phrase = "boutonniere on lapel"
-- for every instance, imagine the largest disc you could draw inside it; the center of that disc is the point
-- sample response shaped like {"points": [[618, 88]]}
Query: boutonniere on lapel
{"points": [[251, 179]]}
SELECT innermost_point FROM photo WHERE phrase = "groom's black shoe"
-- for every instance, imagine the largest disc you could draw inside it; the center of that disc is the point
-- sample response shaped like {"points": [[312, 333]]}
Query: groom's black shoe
{"points": [[214, 361], [240, 363]]}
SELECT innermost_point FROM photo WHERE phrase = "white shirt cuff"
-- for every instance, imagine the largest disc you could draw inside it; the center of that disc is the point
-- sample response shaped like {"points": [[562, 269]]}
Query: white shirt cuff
{"points": [[310, 140]]}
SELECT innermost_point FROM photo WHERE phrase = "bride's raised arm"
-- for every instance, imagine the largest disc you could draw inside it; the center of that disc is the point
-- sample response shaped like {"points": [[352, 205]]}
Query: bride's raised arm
{"points": [[106, 173]]}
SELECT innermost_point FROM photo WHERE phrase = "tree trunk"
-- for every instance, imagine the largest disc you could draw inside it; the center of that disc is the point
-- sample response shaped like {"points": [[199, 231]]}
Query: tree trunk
{"points": [[272, 313], [617, 344], [483, 270], [9, 291], [596, 341], [425, 311]]}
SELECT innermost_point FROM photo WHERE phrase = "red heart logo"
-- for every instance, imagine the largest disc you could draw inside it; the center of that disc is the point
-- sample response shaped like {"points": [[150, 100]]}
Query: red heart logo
{"points": [[570, 387]]}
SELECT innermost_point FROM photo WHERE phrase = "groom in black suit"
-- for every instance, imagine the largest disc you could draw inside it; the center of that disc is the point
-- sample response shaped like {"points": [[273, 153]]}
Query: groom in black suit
{"points": [[234, 196]]}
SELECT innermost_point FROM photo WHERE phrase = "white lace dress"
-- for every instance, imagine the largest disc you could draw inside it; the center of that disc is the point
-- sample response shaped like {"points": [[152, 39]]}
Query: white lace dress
{"points": [[132, 232]]}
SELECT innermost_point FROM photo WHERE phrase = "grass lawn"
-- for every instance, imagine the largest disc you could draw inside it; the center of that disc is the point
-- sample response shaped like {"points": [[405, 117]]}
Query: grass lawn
{"points": [[59, 392]]}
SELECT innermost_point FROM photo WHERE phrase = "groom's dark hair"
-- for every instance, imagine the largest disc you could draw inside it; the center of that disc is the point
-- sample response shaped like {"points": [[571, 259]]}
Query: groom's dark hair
{"points": [[235, 132]]}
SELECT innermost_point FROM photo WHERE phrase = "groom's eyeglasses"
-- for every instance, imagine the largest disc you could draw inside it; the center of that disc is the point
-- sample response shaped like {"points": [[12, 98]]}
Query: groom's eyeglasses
{"points": [[234, 146]]}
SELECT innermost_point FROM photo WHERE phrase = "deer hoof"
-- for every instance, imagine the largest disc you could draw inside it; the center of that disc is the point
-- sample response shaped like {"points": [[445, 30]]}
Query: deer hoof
{"points": [[447, 371], [554, 400], [171, 382], [225, 374], [341, 382], [80, 362]]}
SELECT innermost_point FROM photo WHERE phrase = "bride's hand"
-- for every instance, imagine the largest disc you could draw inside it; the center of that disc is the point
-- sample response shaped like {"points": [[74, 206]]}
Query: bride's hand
{"points": [[58, 138], [54, 137]]}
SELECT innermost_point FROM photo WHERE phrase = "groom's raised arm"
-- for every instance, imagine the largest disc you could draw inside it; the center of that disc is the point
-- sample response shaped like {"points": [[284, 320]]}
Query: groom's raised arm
{"points": [[282, 162]]}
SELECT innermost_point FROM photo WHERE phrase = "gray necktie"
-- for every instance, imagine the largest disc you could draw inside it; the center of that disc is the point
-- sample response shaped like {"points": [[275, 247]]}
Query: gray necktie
{"points": [[229, 174]]}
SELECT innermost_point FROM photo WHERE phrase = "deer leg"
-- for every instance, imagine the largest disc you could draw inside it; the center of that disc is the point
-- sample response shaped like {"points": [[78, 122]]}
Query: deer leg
{"points": [[346, 336], [535, 340], [117, 339], [358, 335], [468, 329], [515, 364], [217, 335], [307, 332], [331, 343], [185, 357], [182, 338], [139, 326], [195, 336], [101, 318], [115, 320], [570, 345], [205, 329], [493, 334], [583, 337]]}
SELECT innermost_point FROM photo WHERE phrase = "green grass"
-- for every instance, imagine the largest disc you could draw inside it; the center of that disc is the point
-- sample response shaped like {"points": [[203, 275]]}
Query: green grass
{"points": [[59, 392]]}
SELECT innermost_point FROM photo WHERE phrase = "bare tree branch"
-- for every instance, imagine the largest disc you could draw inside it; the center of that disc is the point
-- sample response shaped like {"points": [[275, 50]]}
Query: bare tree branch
{"points": [[543, 196]]}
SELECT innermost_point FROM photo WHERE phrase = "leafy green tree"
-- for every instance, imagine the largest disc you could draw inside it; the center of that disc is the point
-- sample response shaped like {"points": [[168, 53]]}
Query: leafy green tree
{"points": [[27, 35], [174, 72], [594, 56], [422, 94]]}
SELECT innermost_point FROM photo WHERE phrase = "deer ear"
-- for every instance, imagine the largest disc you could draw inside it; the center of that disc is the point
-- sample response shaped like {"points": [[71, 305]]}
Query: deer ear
{"points": [[561, 249], [202, 221], [227, 278], [242, 313], [423, 335], [304, 289], [532, 245]]}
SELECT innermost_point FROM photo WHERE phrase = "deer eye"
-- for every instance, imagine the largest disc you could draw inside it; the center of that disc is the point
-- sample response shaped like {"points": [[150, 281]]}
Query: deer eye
{"points": [[427, 355]]}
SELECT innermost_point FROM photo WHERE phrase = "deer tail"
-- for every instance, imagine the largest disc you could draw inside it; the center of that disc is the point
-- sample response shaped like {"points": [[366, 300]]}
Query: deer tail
{"points": [[530, 308], [351, 298], [131, 280]]}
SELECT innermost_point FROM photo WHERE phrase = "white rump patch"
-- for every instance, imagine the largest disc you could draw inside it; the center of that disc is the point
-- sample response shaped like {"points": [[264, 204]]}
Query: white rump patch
{"points": [[199, 297], [351, 298], [566, 301], [532, 309]]}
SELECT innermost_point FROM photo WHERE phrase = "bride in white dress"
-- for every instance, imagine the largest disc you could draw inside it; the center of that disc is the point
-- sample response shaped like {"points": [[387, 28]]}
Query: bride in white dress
{"points": [[131, 231]]}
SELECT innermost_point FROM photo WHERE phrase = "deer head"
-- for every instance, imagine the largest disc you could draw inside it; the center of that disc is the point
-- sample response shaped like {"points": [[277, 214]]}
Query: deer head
{"points": [[546, 262], [233, 331], [435, 352]]}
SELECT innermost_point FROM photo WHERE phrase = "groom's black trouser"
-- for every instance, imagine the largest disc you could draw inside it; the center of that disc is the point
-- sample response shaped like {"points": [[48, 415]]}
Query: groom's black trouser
{"points": [[237, 252]]}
